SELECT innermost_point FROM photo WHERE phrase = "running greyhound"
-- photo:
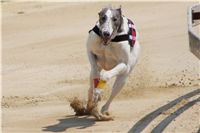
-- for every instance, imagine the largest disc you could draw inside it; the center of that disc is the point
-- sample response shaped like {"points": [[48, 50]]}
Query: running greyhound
{"points": [[113, 51]]}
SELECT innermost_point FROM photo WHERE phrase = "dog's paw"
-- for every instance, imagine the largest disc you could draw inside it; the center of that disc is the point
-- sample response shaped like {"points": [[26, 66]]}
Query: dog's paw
{"points": [[104, 110], [105, 76], [101, 117], [106, 113]]}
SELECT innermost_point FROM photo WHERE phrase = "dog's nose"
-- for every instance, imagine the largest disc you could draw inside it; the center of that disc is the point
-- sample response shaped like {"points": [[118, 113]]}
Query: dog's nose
{"points": [[106, 34]]}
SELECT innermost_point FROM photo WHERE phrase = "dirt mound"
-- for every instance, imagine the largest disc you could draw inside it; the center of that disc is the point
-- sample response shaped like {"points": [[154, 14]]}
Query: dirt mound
{"points": [[80, 109]]}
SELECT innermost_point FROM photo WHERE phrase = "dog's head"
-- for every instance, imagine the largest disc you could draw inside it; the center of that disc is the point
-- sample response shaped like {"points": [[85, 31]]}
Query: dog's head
{"points": [[110, 21]]}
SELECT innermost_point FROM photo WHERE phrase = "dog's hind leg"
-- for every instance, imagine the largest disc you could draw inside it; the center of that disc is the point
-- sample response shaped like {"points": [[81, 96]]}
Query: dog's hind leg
{"points": [[118, 85]]}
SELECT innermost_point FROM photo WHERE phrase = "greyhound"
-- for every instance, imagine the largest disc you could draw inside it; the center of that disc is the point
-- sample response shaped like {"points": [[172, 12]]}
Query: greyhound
{"points": [[113, 50]]}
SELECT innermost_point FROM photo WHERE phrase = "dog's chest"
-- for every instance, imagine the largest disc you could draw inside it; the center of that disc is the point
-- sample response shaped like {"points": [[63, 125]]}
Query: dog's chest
{"points": [[107, 56], [108, 51]]}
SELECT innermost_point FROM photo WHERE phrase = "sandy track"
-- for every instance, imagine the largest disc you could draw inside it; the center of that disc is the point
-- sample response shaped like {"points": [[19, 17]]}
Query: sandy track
{"points": [[171, 110], [55, 116], [45, 64]]}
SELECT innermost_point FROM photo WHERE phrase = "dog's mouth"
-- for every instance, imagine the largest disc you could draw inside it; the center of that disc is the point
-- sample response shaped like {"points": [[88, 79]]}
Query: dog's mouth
{"points": [[107, 37], [106, 40]]}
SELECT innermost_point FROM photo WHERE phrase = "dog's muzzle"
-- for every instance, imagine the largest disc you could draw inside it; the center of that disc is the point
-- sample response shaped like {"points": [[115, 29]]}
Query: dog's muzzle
{"points": [[106, 37]]}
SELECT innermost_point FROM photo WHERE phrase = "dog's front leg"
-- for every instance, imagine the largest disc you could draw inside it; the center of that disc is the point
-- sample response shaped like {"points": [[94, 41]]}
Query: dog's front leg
{"points": [[94, 77], [117, 70]]}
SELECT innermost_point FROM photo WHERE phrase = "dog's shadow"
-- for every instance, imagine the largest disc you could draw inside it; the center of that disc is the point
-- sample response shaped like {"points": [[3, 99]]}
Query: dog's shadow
{"points": [[80, 122]]}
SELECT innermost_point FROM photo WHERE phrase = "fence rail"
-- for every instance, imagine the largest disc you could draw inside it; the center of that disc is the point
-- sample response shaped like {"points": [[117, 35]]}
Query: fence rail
{"points": [[194, 37]]}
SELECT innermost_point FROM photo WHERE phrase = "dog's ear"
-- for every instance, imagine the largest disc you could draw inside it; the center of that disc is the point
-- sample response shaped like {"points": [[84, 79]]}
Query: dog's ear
{"points": [[100, 13], [119, 10]]}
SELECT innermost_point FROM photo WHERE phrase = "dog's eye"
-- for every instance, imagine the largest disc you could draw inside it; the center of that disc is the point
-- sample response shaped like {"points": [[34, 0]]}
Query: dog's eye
{"points": [[114, 19], [103, 18]]}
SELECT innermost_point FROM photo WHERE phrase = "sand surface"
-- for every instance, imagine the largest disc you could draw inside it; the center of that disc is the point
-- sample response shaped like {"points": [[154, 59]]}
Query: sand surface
{"points": [[45, 64]]}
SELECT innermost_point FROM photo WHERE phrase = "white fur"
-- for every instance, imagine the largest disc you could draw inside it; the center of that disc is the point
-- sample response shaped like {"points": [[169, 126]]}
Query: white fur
{"points": [[116, 59]]}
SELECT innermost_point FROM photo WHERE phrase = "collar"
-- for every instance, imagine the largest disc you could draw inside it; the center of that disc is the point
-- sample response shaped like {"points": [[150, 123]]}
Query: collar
{"points": [[130, 36]]}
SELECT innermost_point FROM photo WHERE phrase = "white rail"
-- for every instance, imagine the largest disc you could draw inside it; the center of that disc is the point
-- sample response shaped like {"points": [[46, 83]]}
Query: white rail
{"points": [[194, 38]]}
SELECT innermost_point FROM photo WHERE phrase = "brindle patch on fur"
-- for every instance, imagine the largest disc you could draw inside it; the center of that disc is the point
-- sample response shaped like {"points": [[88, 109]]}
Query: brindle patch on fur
{"points": [[102, 16], [117, 16]]}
